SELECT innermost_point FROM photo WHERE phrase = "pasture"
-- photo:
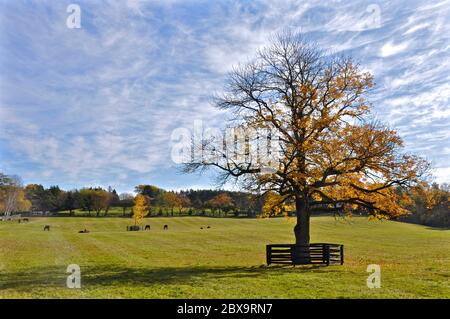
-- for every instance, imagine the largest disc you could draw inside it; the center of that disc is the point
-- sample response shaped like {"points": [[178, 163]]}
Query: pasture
{"points": [[225, 261]]}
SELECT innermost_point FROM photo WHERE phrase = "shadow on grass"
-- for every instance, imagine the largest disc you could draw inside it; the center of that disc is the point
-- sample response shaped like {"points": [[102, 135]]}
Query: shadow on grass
{"points": [[111, 275], [438, 227]]}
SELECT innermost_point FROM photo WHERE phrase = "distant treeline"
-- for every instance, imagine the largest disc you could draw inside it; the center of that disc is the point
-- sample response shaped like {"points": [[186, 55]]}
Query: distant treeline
{"points": [[217, 202], [96, 201], [427, 204]]}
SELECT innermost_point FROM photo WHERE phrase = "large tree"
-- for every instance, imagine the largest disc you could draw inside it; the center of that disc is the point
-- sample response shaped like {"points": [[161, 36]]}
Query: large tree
{"points": [[322, 150]]}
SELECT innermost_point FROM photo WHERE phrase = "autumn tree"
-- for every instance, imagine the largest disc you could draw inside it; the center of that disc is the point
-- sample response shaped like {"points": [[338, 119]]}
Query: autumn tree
{"points": [[12, 195], [100, 200], [183, 202], [170, 200], [308, 111], [221, 202], [140, 208], [427, 204], [275, 205]]}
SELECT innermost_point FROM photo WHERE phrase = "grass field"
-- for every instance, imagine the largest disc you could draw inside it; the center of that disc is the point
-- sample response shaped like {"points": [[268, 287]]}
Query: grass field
{"points": [[226, 261]]}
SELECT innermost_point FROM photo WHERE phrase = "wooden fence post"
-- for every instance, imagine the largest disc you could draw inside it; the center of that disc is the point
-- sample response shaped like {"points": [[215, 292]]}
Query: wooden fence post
{"points": [[268, 254], [326, 253]]}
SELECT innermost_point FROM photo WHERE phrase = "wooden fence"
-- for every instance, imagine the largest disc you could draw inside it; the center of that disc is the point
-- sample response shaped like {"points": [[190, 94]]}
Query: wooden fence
{"points": [[317, 253]]}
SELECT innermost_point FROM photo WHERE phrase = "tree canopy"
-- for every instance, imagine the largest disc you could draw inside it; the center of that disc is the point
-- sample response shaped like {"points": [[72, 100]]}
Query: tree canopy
{"points": [[303, 129]]}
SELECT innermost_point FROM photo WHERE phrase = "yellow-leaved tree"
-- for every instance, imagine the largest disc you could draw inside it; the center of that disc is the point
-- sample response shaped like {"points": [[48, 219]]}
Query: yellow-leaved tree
{"points": [[330, 156], [275, 205], [140, 208], [12, 195]]}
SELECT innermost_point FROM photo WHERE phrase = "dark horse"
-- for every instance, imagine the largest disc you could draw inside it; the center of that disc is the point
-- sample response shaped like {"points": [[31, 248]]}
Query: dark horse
{"points": [[166, 227], [47, 228]]}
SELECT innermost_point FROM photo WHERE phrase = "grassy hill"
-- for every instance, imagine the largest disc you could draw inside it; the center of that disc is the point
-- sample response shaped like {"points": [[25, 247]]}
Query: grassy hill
{"points": [[225, 261]]}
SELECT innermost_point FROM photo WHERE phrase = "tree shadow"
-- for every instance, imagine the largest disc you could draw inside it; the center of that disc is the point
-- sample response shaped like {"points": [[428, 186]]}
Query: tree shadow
{"points": [[107, 275], [438, 227]]}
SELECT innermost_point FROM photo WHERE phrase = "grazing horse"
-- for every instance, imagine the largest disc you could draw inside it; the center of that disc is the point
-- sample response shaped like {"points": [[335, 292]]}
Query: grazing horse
{"points": [[147, 227], [166, 227], [208, 227], [47, 228], [85, 231], [25, 220]]}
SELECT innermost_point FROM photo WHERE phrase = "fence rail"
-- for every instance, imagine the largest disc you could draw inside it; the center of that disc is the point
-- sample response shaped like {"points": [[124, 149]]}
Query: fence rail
{"points": [[316, 253]]}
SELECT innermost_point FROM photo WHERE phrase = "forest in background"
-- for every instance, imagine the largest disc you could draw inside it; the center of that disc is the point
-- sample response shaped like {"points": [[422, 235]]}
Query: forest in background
{"points": [[428, 204]]}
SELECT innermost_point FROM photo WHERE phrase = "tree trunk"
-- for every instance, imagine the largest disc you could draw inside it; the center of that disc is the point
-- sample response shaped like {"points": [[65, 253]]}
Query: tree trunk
{"points": [[301, 254], [301, 229]]}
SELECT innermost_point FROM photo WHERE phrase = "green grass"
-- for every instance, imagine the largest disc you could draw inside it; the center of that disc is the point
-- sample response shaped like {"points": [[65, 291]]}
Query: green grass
{"points": [[226, 261]]}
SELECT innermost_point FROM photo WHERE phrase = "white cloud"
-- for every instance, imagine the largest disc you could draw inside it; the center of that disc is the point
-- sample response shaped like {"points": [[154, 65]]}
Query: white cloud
{"points": [[442, 175], [390, 49], [416, 28], [99, 104]]}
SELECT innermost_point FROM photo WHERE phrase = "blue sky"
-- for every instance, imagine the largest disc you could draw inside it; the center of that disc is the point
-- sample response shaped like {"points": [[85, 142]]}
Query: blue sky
{"points": [[97, 105]]}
